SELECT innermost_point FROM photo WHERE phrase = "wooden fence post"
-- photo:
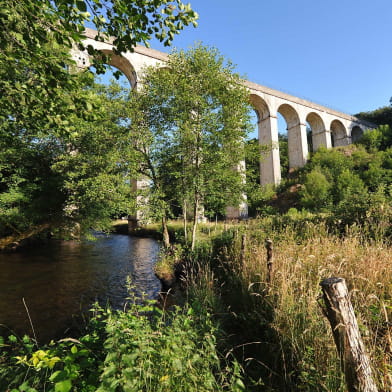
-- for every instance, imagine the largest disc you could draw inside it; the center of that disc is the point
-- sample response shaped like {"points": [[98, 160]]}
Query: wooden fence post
{"points": [[340, 313], [268, 246]]}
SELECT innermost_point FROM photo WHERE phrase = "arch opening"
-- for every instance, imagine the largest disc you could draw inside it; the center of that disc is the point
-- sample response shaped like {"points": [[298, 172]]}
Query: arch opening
{"points": [[316, 132], [356, 133], [297, 144], [123, 65], [283, 145], [260, 107], [309, 136], [338, 134]]}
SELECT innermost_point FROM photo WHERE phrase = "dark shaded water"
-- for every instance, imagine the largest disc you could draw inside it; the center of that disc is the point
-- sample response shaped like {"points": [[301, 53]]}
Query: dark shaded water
{"points": [[61, 278]]}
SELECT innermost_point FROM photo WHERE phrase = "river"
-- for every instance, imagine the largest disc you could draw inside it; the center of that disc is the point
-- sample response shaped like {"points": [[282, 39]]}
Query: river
{"points": [[60, 279]]}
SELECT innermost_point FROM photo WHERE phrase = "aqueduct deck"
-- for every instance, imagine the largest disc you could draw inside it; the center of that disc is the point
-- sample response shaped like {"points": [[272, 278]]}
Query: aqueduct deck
{"points": [[328, 127]]}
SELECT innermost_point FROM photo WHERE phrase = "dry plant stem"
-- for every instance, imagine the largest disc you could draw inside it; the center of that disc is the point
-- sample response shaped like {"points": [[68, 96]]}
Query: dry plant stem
{"points": [[31, 323], [354, 361], [268, 246], [243, 248]]}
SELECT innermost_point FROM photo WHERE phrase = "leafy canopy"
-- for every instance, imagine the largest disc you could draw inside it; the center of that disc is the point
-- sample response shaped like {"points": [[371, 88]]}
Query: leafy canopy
{"points": [[189, 121], [45, 110]]}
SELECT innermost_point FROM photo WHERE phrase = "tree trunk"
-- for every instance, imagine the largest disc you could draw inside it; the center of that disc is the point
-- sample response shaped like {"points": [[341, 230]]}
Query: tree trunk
{"points": [[354, 361], [165, 233], [195, 217], [185, 215]]}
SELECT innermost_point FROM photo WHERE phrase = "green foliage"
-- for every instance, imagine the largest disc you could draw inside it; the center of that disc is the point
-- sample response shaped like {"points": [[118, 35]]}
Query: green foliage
{"points": [[284, 154], [158, 352], [381, 137], [46, 113], [142, 348], [27, 26], [77, 176], [258, 198], [61, 366], [252, 160], [381, 116], [377, 139], [97, 164], [137, 21], [189, 121], [332, 161], [316, 191], [347, 183]]}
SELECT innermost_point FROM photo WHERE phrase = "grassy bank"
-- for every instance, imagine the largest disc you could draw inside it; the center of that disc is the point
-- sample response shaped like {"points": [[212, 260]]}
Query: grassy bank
{"points": [[283, 338], [277, 330], [236, 331]]}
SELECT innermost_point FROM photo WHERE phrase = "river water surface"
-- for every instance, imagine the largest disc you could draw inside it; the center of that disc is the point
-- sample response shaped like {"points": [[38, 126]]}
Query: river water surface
{"points": [[59, 279]]}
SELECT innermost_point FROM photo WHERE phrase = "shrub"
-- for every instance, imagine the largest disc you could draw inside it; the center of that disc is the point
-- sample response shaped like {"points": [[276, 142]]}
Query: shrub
{"points": [[316, 192], [140, 349]]}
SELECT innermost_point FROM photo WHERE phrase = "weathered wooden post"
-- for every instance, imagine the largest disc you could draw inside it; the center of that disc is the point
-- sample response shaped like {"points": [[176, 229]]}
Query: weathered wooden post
{"points": [[340, 313], [268, 246], [243, 249]]}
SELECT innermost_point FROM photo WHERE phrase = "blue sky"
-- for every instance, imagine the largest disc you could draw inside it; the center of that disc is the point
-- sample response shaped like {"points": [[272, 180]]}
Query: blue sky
{"points": [[335, 53]]}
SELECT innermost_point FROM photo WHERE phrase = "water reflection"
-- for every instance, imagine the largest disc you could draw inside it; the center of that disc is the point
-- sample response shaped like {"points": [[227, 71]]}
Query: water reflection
{"points": [[61, 278]]}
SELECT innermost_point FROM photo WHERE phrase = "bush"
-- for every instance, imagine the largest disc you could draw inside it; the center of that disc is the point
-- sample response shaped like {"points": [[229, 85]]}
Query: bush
{"points": [[316, 192], [141, 349]]}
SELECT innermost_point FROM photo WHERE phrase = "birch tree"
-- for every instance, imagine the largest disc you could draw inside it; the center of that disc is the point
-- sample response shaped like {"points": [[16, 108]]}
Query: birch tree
{"points": [[190, 121]]}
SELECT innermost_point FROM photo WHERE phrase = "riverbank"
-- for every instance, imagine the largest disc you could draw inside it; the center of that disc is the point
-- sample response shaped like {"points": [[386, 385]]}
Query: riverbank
{"points": [[273, 317], [265, 328]]}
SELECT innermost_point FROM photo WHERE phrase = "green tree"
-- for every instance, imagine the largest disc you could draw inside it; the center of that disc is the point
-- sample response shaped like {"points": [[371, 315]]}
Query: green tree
{"points": [[316, 191], [36, 38], [194, 111], [381, 137], [380, 116], [377, 139], [96, 163], [42, 104], [353, 198], [30, 190], [77, 177], [284, 154]]}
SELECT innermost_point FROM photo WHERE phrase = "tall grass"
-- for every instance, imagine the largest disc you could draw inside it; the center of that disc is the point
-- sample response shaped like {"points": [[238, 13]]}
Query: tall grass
{"points": [[293, 347]]}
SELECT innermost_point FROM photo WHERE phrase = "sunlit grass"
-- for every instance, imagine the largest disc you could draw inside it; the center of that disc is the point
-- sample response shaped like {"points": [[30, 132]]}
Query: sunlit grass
{"points": [[307, 349]]}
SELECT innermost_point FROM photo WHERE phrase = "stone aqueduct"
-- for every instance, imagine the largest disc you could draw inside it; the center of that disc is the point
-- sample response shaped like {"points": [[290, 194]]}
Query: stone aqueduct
{"points": [[328, 127]]}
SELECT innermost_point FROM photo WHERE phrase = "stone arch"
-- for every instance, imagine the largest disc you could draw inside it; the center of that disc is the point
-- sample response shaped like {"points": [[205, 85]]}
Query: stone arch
{"points": [[296, 133], [290, 115], [260, 107], [317, 127], [356, 133], [123, 64], [338, 134]]}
